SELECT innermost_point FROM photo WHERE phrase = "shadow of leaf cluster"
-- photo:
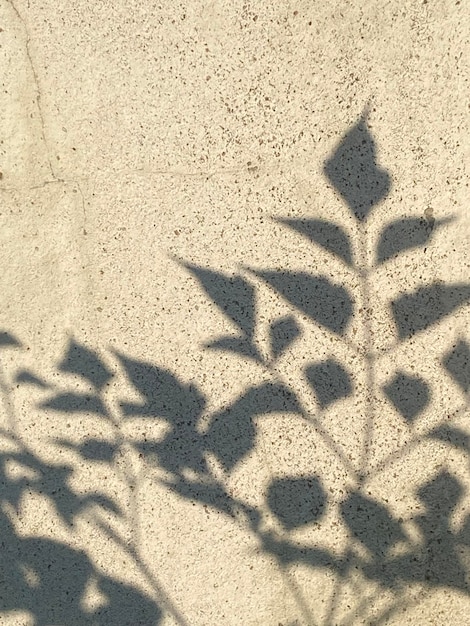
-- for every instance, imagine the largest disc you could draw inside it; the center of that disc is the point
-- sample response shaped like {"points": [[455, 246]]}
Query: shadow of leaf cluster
{"points": [[49, 579], [45, 577]]}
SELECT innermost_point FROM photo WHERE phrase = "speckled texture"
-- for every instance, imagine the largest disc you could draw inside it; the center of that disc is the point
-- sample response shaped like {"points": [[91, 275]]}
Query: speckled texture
{"points": [[235, 347]]}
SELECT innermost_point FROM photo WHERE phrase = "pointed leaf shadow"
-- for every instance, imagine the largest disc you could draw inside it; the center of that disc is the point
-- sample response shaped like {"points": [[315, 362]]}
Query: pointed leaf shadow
{"points": [[404, 234], [179, 404], [26, 377], [214, 495], [164, 395], [329, 236], [84, 362], [231, 435], [457, 363], [353, 171], [409, 395], [283, 332], [76, 403], [324, 302], [414, 312], [372, 524], [452, 435], [8, 341], [238, 345], [297, 501], [92, 449], [330, 381], [234, 296], [288, 552]]}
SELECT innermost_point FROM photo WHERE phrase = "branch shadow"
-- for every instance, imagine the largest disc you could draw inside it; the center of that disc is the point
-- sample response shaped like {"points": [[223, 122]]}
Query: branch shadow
{"points": [[50, 580]]}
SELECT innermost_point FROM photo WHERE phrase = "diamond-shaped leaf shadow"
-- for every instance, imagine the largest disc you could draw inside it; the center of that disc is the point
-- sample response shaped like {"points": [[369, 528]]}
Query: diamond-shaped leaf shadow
{"points": [[297, 501], [408, 394], [353, 171], [330, 382], [457, 363]]}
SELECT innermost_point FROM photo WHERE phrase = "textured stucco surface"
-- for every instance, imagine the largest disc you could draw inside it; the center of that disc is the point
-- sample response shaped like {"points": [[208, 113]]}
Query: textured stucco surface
{"points": [[158, 161]]}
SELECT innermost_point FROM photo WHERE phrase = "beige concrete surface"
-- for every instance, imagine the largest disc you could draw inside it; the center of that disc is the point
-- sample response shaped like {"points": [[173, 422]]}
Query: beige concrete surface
{"points": [[235, 342]]}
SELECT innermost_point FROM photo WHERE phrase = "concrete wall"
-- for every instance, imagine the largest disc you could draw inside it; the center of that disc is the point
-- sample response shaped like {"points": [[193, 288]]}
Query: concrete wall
{"points": [[235, 359]]}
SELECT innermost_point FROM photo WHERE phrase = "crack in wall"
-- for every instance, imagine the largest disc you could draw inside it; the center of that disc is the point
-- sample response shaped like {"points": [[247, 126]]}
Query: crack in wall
{"points": [[38, 97]]}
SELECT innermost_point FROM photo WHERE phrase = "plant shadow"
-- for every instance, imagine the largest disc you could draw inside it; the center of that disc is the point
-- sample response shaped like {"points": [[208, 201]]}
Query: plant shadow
{"points": [[198, 452]]}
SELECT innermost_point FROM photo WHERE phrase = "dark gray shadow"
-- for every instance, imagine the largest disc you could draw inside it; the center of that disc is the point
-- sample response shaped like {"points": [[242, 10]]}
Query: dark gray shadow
{"points": [[85, 363], [353, 171], [297, 501], [329, 236], [235, 297], [372, 524], [47, 578], [50, 581], [409, 395], [405, 234], [180, 406], [326, 303], [71, 402], [283, 332], [414, 312], [457, 363], [232, 433], [452, 435], [330, 382], [9, 341], [437, 559]]}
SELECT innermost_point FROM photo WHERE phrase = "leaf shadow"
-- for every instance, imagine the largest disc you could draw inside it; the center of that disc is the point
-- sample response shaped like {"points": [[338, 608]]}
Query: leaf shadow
{"points": [[180, 406], [49, 579], [436, 559], [330, 382], [416, 311], [45, 577], [405, 234], [235, 297], [353, 170], [326, 234], [325, 302]]}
